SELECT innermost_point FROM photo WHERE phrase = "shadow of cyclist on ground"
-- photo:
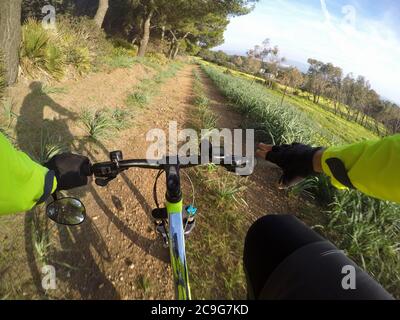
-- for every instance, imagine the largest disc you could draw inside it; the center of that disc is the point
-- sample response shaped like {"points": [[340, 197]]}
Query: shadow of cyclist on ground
{"points": [[37, 131], [150, 246]]}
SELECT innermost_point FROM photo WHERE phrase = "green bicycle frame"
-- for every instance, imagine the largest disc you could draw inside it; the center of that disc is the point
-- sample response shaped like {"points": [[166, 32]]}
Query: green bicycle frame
{"points": [[107, 171], [177, 250]]}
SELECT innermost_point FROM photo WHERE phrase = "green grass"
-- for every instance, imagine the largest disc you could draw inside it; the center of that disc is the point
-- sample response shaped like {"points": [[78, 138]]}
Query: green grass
{"points": [[215, 248], [206, 118], [101, 124], [47, 89], [120, 61], [367, 229], [8, 114], [144, 284], [139, 99], [50, 145], [149, 88]]}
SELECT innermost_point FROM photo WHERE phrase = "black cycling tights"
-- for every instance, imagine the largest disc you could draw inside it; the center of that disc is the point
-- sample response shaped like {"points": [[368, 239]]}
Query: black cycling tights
{"points": [[269, 241], [272, 239]]}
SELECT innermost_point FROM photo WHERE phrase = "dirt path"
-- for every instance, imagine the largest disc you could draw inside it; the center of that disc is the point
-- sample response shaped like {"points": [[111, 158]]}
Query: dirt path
{"points": [[116, 254]]}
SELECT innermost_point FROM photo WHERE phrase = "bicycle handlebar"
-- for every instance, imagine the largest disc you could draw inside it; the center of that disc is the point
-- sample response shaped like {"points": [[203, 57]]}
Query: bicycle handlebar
{"points": [[107, 171]]}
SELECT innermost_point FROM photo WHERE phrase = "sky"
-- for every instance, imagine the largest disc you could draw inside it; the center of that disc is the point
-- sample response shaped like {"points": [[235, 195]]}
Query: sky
{"points": [[360, 36]]}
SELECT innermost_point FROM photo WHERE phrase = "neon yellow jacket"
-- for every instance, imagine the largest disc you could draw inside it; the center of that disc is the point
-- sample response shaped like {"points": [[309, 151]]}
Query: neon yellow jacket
{"points": [[373, 167], [24, 183]]}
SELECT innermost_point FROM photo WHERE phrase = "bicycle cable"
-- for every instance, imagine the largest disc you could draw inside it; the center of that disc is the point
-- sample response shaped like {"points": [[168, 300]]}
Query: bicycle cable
{"points": [[192, 186], [155, 196], [155, 188]]}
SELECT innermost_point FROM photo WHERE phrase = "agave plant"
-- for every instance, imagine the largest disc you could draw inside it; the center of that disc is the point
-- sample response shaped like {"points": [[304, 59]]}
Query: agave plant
{"points": [[97, 123], [34, 44]]}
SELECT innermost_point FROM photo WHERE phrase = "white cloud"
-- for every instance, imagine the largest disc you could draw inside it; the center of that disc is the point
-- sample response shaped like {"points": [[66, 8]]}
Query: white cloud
{"points": [[370, 47]]}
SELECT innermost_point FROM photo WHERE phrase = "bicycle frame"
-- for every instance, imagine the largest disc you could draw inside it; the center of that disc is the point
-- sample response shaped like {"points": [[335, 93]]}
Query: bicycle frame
{"points": [[107, 171], [176, 235], [177, 250]]}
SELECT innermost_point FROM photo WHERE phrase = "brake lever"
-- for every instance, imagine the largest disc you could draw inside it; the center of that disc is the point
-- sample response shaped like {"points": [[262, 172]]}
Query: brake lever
{"points": [[103, 182]]}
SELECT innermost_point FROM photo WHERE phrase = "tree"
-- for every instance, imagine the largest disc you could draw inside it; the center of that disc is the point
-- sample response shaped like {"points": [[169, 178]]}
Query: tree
{"points": [[291, 78], [101, 13], [270, 59], [149, 7], [187, 20], [251, 65], [237, 61], [10, 37]]}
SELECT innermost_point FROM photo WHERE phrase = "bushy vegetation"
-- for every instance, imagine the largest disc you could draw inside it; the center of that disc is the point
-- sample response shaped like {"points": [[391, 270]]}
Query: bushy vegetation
{"points": [[100, 124], [367, 229], [76, 43]]}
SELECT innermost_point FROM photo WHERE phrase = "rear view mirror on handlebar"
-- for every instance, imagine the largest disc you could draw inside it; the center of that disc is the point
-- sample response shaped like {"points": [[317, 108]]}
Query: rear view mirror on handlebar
{"points": [[67, 211]]}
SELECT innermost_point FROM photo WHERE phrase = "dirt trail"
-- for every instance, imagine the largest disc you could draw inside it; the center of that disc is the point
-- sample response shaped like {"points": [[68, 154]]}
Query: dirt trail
{"points": [[116, 254]]}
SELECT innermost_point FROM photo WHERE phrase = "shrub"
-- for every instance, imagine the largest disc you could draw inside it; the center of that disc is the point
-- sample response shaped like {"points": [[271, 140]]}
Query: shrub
{"points": [[34, 45], [123, 44], [158, 58], [97, 123], [121, 118], [85, 34], [121, 58], [79, 57], [55, 61], [77, 42], [138, 99]]}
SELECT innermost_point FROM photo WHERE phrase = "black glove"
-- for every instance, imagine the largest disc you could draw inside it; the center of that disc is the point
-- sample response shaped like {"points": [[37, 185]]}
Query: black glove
{"points": [[296, 161], [71, 170]]}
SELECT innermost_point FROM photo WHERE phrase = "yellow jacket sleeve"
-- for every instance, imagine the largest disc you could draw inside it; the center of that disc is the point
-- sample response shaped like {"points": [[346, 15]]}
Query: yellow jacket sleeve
{"points": [[373, 167], [24, 183]]}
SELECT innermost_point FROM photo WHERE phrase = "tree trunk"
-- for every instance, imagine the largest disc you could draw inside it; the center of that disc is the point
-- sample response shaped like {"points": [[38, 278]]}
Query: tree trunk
{"points": [[176, 50], [101, 13], [162, 34], [335, 105], [284, 95], [145, 35], [171, 49], [10, 37]]}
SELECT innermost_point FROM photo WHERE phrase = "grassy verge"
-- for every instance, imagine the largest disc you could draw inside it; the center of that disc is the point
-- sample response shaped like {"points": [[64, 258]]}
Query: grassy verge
{"points": [[367, 229], [215, 248], [149, 88], [101, 124]]}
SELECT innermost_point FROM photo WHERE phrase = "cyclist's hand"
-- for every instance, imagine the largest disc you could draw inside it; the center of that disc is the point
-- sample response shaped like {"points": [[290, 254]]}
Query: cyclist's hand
{"points": [[72, 171], [296, 160]]}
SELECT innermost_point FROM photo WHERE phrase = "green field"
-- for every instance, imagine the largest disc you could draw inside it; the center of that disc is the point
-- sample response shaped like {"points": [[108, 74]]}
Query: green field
{"points": [[335, 128]]}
